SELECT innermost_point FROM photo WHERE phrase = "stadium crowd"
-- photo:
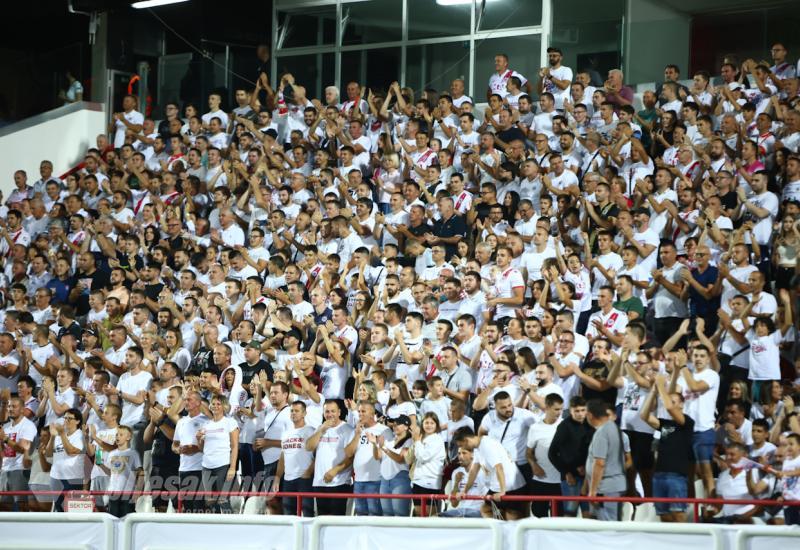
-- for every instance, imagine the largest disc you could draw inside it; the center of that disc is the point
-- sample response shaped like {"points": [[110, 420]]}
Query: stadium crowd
{"points": [[390, 292]]}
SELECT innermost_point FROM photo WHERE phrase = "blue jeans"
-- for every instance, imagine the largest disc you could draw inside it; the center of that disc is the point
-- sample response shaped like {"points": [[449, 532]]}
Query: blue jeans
{"points": [[298, 485], [367, 506], [669, 485], [703, 446], [64, 485], [398, 485], [570, 507]]}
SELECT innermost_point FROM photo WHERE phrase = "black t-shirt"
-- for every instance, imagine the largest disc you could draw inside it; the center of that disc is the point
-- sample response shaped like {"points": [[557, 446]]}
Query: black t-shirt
{"points": [[482, 209], [455, 225], [250, 371], [610, 210], [675, 445], [419, 230], [511, 134], [73, 330], [152, 291], [599, 371], [125, 261], [99, 280], [176, 244], [204, 358], [162, 454]]}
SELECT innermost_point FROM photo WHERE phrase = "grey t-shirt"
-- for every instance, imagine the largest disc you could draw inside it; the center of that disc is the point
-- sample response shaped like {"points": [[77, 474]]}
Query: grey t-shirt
{"points": [[607, 445]]}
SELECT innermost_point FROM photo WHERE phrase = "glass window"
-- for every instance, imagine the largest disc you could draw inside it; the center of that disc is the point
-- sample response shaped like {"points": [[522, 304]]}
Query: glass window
{"points": [[589, 38], [436, 18], [314, 72], [436, 65], [375, 69], [523, 57], [308, 27], [506, 14], [370, 22]]}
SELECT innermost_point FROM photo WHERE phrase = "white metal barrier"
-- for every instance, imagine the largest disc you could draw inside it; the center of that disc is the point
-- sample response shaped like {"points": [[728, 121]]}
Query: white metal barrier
{"points": [[211, 532], [766, 538], [569, 534], [368, 533], [97, 531], [48, 531]]}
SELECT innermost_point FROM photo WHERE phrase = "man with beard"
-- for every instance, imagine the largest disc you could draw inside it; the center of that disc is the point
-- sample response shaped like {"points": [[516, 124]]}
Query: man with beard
{"points": [[555, 78], [118, 288], [536, 386], [717, 159], [152, 286]]}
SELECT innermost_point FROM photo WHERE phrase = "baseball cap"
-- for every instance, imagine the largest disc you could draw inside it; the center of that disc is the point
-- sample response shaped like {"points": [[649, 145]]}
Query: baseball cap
{"points": [[255, 344], [90, 331], [734, 86], [402, 419]]}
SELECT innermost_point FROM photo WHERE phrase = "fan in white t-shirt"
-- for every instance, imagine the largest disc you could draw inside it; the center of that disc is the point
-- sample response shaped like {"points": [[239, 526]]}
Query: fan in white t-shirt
{"points": [[296, 463], [555, 78], [333, 470], [502, 475], [765, 360], [700, 389]]}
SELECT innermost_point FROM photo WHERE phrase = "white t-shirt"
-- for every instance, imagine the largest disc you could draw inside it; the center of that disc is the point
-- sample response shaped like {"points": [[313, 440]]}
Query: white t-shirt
{"points": [[64, 465], [609, 261], [512, 433], [701, 406], [389, 467], [633, 398], [296, 459], [276, 423], [733, 488], [791, 485], [217, 442], [540, 436], [133, 117], [123, 466], [478, 488], [489, 454], [365, 467], [67, 397], [765, 360], [561, 73], [130, 384], [330, 453], [762, 230], [186, 434], [532, 261], [504, 285], [334, 378], [406, 408], [497, 82], [429, 457], [728, 290], [25, 430]]}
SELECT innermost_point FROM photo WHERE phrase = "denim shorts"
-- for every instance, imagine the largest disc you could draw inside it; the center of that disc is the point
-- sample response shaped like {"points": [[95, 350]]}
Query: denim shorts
{"points": [[703, 446], [669, 485]]}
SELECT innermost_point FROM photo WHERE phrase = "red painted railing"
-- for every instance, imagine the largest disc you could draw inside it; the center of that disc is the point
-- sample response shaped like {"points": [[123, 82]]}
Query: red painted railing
{"points": [[423, 498]]}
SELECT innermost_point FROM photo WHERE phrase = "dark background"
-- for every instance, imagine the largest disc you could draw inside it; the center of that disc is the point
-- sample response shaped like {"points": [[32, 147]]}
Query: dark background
{"points": [[40, 41]]}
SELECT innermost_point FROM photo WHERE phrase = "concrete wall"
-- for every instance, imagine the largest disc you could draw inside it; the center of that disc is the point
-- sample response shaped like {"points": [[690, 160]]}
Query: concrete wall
{"points": [[655, 35], [61, 136]]}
